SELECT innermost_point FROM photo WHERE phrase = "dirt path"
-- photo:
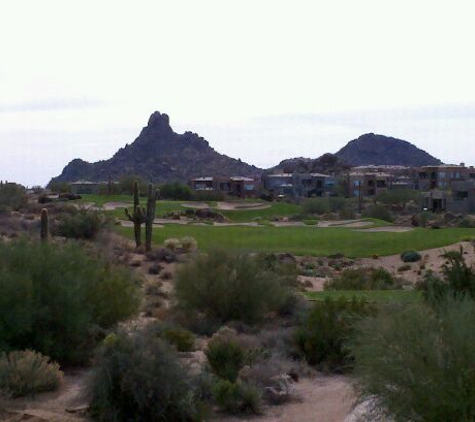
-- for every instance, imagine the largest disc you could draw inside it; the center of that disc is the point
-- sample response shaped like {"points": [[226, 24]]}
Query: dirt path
{"points": [[322, 399], [64, 405]]}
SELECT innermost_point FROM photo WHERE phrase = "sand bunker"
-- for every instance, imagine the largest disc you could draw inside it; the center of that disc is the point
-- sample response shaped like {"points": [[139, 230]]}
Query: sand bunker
{"points": [[242, 206], [345, 223], [197, 205], [392, 229], [110, 206]]}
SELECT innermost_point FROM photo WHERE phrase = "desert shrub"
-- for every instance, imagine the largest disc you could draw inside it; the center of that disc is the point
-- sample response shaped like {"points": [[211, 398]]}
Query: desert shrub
{"points": [[126, 184], [12, 197], [424, 217], [60, 187], [316, 206], [237, 397], [467, 222], [182, 339], [458, 279], [139, 378], [347, 213], [415, 364], [79, 223], [176, 191], [55, 298], [411, 256], [363, 279], [207, 196], [322, 335], [398, 197], [172, 244], [27, 372], [227, 286], [188, 244], [226, 356], [378, 211]]}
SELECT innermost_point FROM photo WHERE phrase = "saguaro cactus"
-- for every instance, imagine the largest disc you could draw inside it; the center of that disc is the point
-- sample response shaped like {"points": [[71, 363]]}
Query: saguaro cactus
{"points": [[44, 225], [137, 216], [150, 215]]}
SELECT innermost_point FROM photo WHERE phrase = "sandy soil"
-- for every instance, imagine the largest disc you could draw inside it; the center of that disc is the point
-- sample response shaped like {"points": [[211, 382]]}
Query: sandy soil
{"points": [[65, 405], [322, 399], [228, 205], [110, 206], [431, 258], [392, 229], [197, 205], [344, 223]]}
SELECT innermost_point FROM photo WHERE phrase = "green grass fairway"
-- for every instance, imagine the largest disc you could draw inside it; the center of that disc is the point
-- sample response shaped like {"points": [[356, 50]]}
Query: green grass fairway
{"points": [[309, 240], [381, 296]]}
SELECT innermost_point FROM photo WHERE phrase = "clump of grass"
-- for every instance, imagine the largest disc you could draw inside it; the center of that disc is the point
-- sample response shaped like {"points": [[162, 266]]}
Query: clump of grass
{"points": [[363, 279], [27, 372]]}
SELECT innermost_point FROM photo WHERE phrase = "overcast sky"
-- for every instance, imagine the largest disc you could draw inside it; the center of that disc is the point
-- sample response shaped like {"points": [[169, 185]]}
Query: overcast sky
{"points": [[260, 80]]}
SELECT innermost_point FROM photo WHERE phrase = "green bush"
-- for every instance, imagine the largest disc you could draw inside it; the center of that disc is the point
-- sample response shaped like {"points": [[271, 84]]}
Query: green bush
{"points": [[227, 286], [27, 372], [424, 217], [176, 191], [411, 256], [139, 378], [237, 397], [54, 298], [458, 279], [363, 279], [225, 355], [79, 223], [126, 184], [316, 206], [415, 364], [182, 339], [12, 197], [322, 335], [379, 212]]}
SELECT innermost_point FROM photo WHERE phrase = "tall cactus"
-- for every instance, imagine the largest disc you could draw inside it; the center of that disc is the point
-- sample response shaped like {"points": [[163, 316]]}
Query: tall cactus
{"points": [[137, 216], [150, 215], [44, 225]]}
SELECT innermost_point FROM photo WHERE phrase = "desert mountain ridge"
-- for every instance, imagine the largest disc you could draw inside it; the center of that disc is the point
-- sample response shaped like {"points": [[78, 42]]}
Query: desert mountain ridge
{"points": [[161, 155]]}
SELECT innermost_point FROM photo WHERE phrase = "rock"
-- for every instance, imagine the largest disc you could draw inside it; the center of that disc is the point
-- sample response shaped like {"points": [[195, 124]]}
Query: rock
{"points": [[155, 269], [281, 389]]}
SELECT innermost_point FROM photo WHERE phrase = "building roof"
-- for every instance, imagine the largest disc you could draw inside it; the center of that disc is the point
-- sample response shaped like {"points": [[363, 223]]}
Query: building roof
{"points": [[203, 179], [280, 175]]}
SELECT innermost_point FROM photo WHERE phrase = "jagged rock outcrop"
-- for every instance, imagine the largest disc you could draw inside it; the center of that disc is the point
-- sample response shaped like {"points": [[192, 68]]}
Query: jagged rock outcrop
{"points": [[326, 164], [159, 155]]}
